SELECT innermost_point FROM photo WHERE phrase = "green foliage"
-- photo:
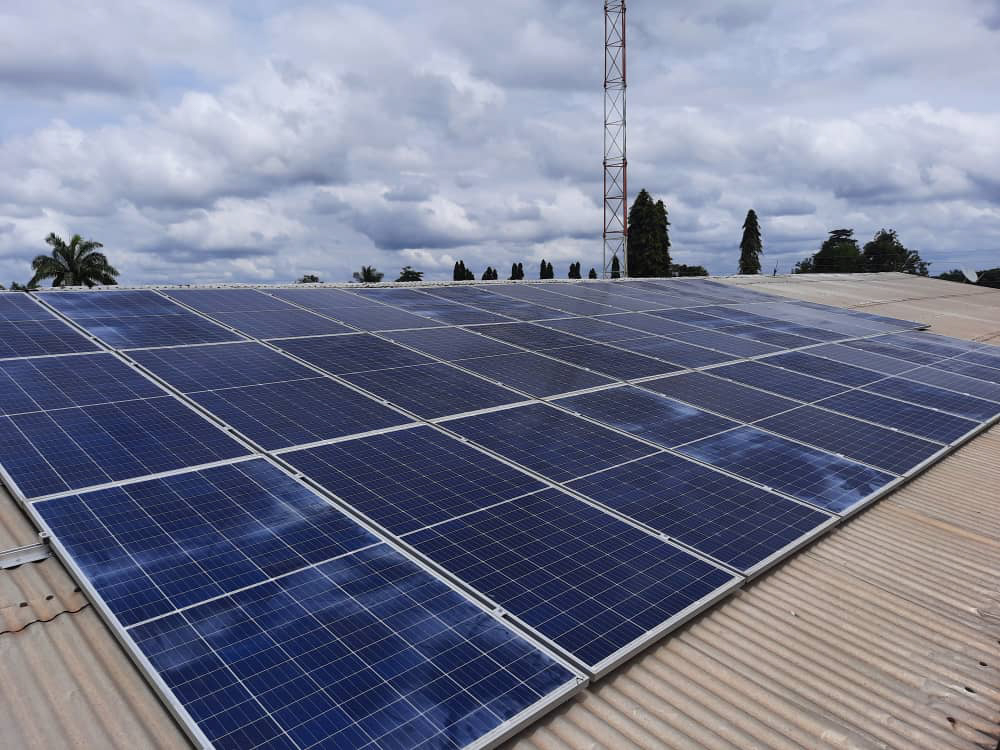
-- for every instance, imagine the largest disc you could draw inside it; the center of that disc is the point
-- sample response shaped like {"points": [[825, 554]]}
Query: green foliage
{"points": [[805, 265], [886, 253], [954, 274], [592, 274], [679, 269], [750, 247], [648, 237], [75, 264], [490, 274], [408, 274], [546, 271], [516, 271], [461, 273], [839, 254], [989, 277], [368, 275], [574, 270], [309, 278], [616, 268]]}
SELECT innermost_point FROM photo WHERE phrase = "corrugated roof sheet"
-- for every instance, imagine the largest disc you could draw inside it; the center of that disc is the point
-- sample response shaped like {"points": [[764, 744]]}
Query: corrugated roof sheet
{"points": [[886, 633]]}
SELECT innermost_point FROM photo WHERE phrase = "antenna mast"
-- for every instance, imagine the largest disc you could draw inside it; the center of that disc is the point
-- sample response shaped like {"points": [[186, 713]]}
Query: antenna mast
{"points": [[615, 163]]}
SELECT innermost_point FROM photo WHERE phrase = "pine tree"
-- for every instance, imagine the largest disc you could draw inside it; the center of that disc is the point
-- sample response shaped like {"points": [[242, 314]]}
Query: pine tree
{"points": [[574, 270], [520, 271], [616, 268], [459, 273], [592, 274], [750, 247], [543, 270], [648, 237]]}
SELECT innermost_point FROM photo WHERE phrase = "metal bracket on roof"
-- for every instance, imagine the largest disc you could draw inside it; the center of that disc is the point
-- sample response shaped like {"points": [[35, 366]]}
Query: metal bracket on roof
{"points": [[11, 558]]}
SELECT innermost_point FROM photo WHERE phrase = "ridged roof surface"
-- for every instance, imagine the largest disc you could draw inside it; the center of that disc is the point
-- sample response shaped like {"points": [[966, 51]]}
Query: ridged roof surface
{"points": [[886, 633]]}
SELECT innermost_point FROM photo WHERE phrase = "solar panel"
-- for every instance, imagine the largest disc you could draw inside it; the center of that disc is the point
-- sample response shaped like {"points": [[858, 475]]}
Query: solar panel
{"points": [[319, 635], [885, 448], [443, 311], [551, 442], [18, 306], [270, 324], [279, 415], [729, 520], [987, 358], [861, 358], [917, 420], [611, 299], [783, 382], [721, 396], [734, 345], [45, 383], [649, 324], [767, 336], [679, 352], [205, 368], [823, 479], [530, 336], [879, 346], [649, 415], [624, 365], [824, 368], [936, 398], [228, 300], [693, 317], [537, 295], [409, 479], [345, 354], [928, 343], [451, 343], [954, 381], [73, 448], [594, 585], [381, 318], [970, 369], [511, 308], [435, 390], [597, 330], [534, 374], [31, 338]]}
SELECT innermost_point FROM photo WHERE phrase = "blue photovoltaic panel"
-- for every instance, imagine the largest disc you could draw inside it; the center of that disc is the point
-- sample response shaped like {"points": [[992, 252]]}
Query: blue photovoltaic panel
{"points": [[326, 301], [269, 324], [824, 368], [823, 479], [936, 398], [648, 415], [46, 452], [409, 479], [970, 369], [228, 300], [205, 368], [649, 323], [679, 352], [451, 343], [57, 382], [18, 306], [82, 305], [279, 415], [365, 651], [553, 443], [512, 308], [443, 311], [879, 346], [917, 420], [587, 581], [860, 358], [929, 343], [738, 347], [722, 396], [693, 317], [989, 358], [31, 338], [783, 382], [536, 294], [953, 381], [530, 336], [616, 301], [624, 365], [152, 547], [358, 353], [370, 316], [885, 448], [732, 521], [597, 330], [435, 390], [535, 374], [768, 336], [809, 332]]}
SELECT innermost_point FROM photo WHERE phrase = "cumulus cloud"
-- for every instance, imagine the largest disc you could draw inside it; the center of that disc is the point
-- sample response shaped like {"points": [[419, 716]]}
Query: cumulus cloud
{"points": [[211, 142]]}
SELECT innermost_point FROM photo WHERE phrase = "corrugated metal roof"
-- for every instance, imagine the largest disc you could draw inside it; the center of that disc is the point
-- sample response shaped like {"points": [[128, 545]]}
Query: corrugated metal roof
{"points": [[886, 633]]}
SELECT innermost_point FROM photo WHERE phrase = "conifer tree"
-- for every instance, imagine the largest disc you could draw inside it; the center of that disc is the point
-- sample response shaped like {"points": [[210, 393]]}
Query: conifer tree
{"points": [[592, 274], [616, 268], [750, 247]]}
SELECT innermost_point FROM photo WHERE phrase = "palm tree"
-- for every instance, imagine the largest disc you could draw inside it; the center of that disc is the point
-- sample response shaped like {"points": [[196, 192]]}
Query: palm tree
{"points": [[75, 264], [368, 275]]}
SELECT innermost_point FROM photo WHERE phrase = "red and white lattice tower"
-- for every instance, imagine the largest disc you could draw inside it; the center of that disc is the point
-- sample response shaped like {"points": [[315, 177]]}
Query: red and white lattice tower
{"points": [[615, 162]]}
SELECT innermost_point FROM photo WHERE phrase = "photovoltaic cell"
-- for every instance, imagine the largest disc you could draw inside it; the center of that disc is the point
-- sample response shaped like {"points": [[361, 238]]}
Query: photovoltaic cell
{"points": [[693, 317], [530, 336], [820, 478], [372, 317], [768, 336], [722, 396], [987, 358], [732, 521], [537, 295], [953, 381], [597, 330], [590, 583], [83, 305], [18, 306], [928, 343], [553, 443], [47, 383], [512, 308], [451, 343], [345, 354], [31, 338], [279, 415], [917, 420], [936, 398], [47, 452], [535, 374], [738, 347], [624, 365], [204, 368], [649, 324], [435, 390], [824, 368], [783, 382], [152, 547], [409, 479], [868, 443], [443, 311], [879, 346], [679, 352], [366, 650], [228, 300], [970, 369], [269, 324], [861, 358], [649, 415]]}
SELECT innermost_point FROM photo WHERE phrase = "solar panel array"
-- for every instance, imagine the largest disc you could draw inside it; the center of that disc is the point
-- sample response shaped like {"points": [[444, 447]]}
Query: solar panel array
{"points": [[422, 516]]}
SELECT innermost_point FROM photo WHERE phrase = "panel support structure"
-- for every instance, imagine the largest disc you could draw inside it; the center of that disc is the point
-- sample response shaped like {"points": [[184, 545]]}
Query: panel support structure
{"points": [[615, 161]]}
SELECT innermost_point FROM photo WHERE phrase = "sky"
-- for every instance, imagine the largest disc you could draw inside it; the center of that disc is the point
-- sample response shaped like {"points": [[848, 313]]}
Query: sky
{"points": [[257, 140]]}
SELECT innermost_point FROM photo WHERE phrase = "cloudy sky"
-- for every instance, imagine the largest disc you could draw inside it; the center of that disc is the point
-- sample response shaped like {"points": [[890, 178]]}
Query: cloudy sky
{"points": [[257, 140]]}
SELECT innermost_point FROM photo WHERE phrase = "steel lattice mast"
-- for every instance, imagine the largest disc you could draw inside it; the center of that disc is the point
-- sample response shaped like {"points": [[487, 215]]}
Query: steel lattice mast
{"points": [[615, 162]]}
